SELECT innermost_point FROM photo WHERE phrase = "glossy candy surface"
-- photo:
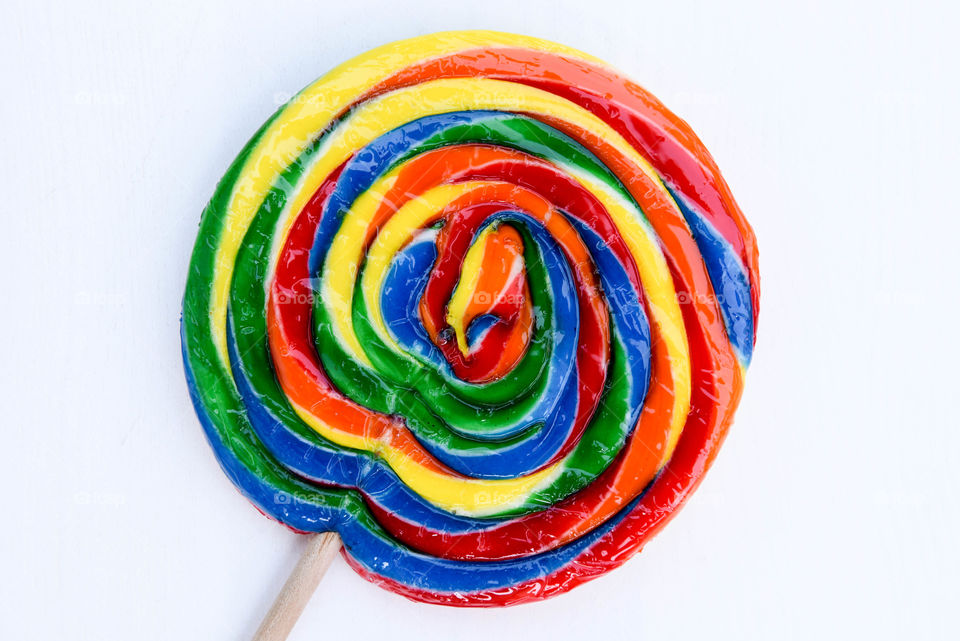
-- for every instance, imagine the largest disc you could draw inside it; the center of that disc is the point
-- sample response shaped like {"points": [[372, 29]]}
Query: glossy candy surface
{"points": [[479, 304]]}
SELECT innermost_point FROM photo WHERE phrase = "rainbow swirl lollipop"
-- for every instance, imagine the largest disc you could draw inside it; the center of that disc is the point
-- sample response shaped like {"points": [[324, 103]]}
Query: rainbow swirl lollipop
{"points": [[477, 303]]}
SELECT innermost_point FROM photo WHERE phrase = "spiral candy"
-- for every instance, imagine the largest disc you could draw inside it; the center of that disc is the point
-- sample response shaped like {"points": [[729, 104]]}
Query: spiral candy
{"points": [[477, 303]]}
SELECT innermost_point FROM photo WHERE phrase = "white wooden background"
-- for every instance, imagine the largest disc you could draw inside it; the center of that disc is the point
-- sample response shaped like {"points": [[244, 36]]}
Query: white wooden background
{"points": [[832, 512]]}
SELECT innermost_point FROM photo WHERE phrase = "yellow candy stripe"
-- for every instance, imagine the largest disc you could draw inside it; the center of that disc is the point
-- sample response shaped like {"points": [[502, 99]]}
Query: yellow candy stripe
{"points": [[470, 276], [312, 111], [468, 496], [376, 117], [474, 497], [394, 235], [442, 96]]}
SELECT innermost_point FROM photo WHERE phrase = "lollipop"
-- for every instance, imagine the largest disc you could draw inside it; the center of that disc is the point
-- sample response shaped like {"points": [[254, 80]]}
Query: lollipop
{"points": [[479, 305]]}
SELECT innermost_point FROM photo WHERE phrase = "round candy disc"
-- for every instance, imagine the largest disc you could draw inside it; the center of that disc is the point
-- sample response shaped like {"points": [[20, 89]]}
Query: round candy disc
{"points": [[479, 304]]}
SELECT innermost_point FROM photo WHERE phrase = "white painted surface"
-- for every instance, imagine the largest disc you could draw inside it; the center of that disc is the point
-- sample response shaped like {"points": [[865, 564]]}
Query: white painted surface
{"points": [[832, 511]]}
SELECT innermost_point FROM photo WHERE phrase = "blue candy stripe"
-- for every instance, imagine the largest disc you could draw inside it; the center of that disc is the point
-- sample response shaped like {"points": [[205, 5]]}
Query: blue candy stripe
{"points": [[373, 549], [556, 406], [731, 283]]}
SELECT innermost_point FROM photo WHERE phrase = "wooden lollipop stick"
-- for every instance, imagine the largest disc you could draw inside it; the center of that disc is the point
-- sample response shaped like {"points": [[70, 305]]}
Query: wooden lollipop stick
{"points": [[296, 592]]}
